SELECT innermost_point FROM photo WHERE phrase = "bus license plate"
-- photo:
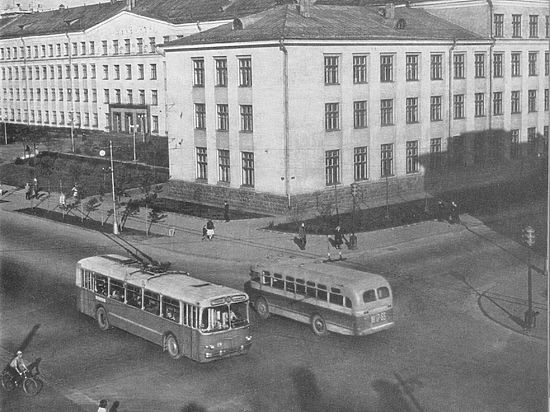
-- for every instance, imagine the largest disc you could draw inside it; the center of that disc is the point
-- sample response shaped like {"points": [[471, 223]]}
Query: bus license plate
{"points": [[378, 318]]}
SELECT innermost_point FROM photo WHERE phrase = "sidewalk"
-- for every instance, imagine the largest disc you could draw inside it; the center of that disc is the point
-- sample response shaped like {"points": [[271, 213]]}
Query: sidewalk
{"points": [[505, 303]]}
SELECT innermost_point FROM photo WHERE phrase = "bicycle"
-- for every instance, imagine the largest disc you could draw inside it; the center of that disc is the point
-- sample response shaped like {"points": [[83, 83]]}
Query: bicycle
{"points": [[29, 381]]}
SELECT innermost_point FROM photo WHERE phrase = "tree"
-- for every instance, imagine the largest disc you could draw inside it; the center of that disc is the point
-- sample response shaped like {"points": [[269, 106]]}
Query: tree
{"points": [[131, 209], [155, 216], [91, 205]]}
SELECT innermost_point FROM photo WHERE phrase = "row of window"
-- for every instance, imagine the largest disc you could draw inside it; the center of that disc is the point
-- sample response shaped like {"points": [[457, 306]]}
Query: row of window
{"points": [[244, 67], [516, 24], [224, 166], [318, 291], [82, 48], [76, 71], [412, 66], [222, 113], [412, 114], [62, 118], [79, 95]]}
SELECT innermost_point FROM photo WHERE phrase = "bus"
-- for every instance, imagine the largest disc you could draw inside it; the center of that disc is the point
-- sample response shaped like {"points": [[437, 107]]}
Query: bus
{"points": [[325, 296], [184, 315]]}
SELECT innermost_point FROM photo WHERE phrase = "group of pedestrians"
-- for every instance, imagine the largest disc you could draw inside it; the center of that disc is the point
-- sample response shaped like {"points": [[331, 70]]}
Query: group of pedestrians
{"points": [[103, 406], [448, 212], [31, 189], [208, 229]]}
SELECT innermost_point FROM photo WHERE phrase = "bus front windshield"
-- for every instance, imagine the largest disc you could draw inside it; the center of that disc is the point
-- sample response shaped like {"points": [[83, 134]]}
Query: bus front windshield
{"points": [[224, 317]]}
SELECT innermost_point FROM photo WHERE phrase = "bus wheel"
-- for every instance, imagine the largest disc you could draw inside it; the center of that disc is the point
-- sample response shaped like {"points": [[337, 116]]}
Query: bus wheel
{"points": [[318, 325], [102, 319], [171, 345], [262, 308]]}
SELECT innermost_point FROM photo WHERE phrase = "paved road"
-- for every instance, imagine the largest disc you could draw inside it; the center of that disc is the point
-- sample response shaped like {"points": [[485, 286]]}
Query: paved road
{"points": [[444, 353]]}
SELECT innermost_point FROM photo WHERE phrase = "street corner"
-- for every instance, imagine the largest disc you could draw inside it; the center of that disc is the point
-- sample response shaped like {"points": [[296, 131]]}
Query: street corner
{"points": [[514, 310]]}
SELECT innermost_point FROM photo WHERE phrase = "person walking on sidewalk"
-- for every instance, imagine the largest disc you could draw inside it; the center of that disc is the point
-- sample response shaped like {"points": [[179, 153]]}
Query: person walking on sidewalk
{"points": [[302, 236], [27, 191], [453, 213], [204, 232], [102, 407], [226, 211], [210, 229], [338, 240]]}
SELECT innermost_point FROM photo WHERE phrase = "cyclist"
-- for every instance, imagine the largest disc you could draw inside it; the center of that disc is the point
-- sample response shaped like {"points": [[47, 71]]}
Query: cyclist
{"points": [[18, 365]]}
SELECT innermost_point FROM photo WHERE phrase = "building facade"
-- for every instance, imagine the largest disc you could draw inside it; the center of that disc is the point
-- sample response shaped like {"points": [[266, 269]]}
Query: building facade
{"points": [[306, 100]]}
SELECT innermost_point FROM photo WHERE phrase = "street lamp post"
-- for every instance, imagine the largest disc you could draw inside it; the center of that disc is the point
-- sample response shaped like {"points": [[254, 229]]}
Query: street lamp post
{"points": [[115, 220], [133, 127], [529, 320]]}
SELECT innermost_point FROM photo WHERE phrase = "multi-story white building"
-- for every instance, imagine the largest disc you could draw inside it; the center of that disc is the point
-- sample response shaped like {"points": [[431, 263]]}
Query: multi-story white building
{"points": [[302, 100], [96, 67]]}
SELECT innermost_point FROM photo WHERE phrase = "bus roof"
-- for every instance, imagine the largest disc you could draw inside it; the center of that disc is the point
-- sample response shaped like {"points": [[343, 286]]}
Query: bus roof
{"points": [[318, 271], [175, 284]]}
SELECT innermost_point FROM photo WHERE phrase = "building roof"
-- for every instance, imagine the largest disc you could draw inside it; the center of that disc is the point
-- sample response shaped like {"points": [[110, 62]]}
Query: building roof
{"points": [[330, 22], [171, 11]]}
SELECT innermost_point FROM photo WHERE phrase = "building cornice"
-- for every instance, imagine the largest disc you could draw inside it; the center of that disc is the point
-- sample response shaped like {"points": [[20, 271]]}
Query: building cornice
{"points": [[453, 4]]}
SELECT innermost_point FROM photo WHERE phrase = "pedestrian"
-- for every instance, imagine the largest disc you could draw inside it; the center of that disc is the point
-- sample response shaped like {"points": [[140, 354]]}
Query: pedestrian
{"points": [[339, 240], [114, 406], [440, 210], [75, 191], [453, 213], [226, 211], [102, 406], [302, 236], [35, 183], [210, 229], [27, 191], [62, 202], [204, 232]]}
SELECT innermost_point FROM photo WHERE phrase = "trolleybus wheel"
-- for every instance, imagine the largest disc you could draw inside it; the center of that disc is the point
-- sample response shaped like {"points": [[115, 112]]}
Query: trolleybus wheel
{"points": [[318, 325], [262, 308], [172, 346], [102, 318]]}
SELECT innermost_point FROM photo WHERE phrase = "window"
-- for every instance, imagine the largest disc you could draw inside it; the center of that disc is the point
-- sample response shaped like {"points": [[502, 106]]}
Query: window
{"points": [[76, 95], [360, 163], [458, 63], [128, 72], [386, 68], [546, 63], [141, 72], [435, 108], [359, 69], [221, 72], [104, 47], [531, 100], [533, 63], [516, 25], [412, 156], [117, 96], [332, 116], [546, 99], [386, 112], [139, 45], [92, 69], [412, 110], [223, 117], [386, 160], [331, 70], [154, 98], [360, 114], [515, 102], [412, 67], [141, 96], [130, 96], [514, 143], [202, 163], [497, 103], [105, 72], [332, 167], [106, 96], [248, 169], [153, 69], [246, 118], [479, 63], [152, 45], [84, 71], [497, 64], [155, 125], [224, 166], [92, 48], [458, 100], [531, 141], [479, 103], [127, 46], [115, 46], [200, 116], [171, 309], [547, 26], [435, 154], [198, 72], [116, 68], [94, 95], [499, 25], [516, 64], [533, 26], [245, 72]]}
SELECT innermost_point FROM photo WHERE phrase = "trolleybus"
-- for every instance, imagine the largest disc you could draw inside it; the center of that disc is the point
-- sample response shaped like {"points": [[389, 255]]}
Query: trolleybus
{"points": [[326, 296], [184, 315]]}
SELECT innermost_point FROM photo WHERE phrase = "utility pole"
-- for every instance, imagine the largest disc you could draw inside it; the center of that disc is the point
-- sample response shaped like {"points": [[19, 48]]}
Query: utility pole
{"points": [[529, 317]]}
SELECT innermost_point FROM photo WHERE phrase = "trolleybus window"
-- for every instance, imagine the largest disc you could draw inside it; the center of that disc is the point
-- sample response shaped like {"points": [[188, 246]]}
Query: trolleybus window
{"points": [[383, 292], [171, 309], [133, 296], [336, 297], [322, 292], [101, 284], [190, 315], [266, 278], [278, 281], [152, 302], [290, 283], [300, 286], [117, 290]]}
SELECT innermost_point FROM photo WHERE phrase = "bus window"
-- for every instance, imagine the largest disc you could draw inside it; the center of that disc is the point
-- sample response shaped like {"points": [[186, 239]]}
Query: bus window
{"points": [[215, 319], [101, 285], [238, 314], [321, 292], [300, 286], [152, 302], [254, 276], [369, 296], [278, 281], [310, 290], [133, 296], [266, 280], [87, 280], [348, 302], [383, 292], [290, 283], [171, 309], [117, 290], [336, 297]]}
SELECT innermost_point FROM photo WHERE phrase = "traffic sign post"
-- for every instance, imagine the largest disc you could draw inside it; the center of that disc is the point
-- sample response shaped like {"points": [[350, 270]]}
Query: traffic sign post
{"points": [[529, 316]]}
